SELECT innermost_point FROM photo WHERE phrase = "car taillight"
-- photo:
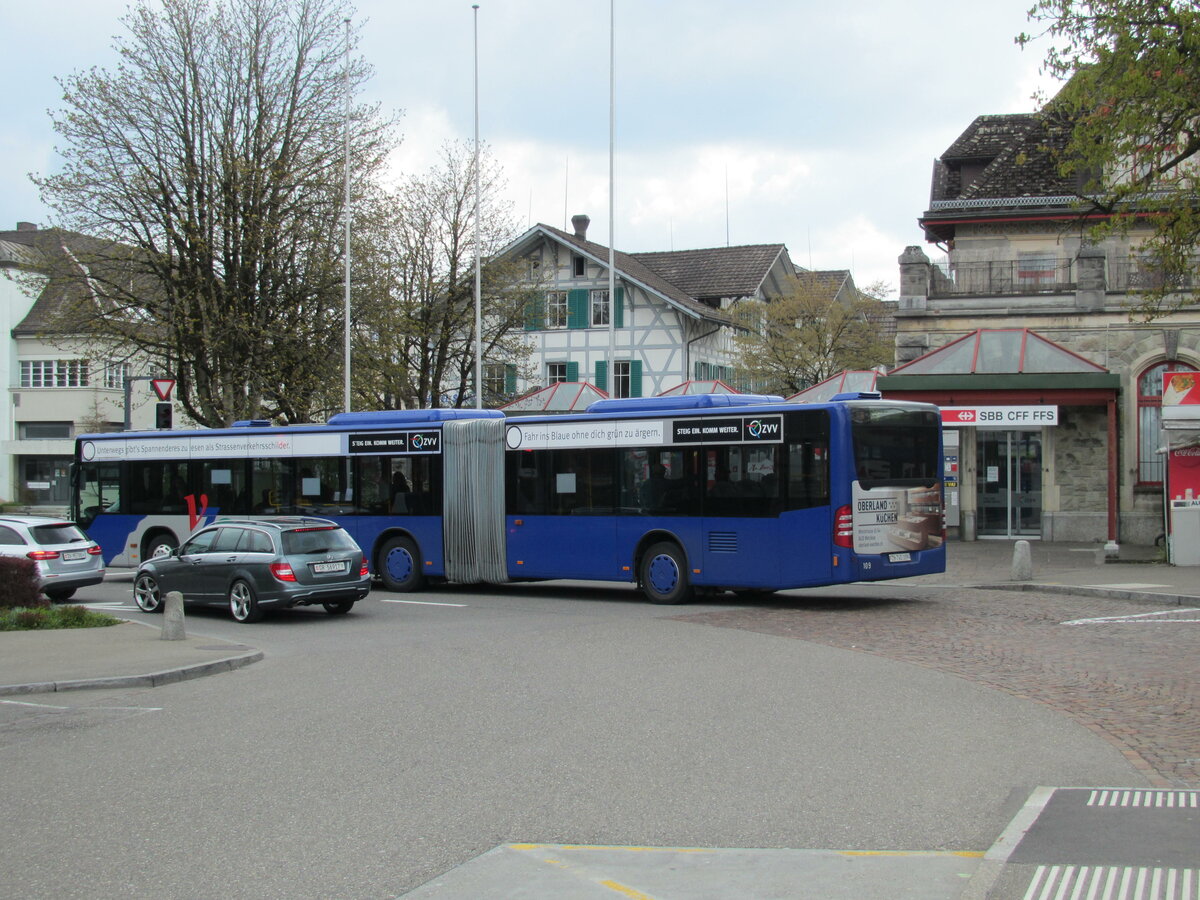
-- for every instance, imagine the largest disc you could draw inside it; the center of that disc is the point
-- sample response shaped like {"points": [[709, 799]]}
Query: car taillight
{"points": [[42, 554], [95, 550], [363, 571], [282, 571], [843, 527]]}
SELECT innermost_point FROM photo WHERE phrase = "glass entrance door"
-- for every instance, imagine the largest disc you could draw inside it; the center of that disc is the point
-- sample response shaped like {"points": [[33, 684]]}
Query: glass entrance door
{"points": [[1009, 478]]}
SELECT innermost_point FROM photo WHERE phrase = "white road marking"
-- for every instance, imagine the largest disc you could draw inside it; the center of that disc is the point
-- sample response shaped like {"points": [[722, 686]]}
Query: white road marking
{"points": [[1140, 618], [420, 602]]}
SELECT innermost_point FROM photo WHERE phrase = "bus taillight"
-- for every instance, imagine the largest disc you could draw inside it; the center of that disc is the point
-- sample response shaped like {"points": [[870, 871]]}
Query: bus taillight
{"points": [[843, 527]]}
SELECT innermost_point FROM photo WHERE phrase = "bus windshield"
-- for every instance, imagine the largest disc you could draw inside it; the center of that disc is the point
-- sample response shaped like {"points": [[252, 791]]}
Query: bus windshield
{"points": [[896, 446]]}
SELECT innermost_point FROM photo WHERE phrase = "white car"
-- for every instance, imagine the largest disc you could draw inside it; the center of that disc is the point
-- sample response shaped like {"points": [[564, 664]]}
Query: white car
{"points": [[66, 557]]}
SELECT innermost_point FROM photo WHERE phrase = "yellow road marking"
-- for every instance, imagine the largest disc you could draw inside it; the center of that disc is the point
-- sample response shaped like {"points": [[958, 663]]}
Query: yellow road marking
{"points": [[627, 891]]}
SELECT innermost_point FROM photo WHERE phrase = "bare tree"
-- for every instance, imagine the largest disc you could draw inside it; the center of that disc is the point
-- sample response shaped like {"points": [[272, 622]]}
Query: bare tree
{"points": [[417, 298], [208, 166]]}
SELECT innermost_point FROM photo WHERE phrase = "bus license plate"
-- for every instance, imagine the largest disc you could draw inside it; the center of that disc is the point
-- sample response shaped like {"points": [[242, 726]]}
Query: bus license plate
{"points": [[74, 555], [323, 568], [899, 557]]}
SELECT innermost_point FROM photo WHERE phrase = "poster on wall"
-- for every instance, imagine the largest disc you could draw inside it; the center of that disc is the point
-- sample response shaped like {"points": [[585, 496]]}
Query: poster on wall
{"points": [[1181, 416], [897, 520]]}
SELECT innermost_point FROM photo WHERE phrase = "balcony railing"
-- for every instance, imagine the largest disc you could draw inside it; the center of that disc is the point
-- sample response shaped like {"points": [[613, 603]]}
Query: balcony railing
{"points": [[1052, 276], [1132, 273], [1002, 276]]}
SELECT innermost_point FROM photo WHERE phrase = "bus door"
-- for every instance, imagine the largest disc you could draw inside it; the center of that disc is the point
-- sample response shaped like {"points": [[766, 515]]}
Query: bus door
{"points": [[742, 502], [560, 519]]}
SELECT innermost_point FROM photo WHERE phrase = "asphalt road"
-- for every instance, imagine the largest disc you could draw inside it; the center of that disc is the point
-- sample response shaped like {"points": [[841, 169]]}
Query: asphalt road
{"points": [[369, 753]]}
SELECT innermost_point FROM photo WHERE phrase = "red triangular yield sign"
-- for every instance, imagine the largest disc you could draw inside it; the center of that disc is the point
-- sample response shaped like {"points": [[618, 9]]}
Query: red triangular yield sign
{"points": [[162, 387]]}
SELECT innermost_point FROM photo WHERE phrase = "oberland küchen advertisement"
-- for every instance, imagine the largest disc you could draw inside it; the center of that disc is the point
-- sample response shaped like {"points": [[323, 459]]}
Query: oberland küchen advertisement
{"points": [[897, 520]]}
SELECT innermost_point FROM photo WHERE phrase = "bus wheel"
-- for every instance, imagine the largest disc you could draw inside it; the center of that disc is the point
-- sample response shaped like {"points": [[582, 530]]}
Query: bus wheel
{"points": [[160, 545], [400, 566], [243, 605], [664, 575]]}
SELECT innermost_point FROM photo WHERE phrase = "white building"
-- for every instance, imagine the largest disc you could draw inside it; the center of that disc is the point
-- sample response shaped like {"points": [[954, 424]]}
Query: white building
{"points": [[672, 319], [53, 387]]}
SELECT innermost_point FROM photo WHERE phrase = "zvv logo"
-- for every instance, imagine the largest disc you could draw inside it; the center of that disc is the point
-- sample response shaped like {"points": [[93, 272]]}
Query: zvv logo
{"points": [[764, 429]]}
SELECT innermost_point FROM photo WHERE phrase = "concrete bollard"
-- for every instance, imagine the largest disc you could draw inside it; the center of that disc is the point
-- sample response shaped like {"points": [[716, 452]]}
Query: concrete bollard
{"points": [[172, 629], [1022, 563]]}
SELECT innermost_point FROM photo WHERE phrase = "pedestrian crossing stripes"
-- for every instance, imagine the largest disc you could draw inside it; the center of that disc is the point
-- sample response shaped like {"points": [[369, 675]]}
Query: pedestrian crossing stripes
{"points": [[1156, 799], [1113, 883]]}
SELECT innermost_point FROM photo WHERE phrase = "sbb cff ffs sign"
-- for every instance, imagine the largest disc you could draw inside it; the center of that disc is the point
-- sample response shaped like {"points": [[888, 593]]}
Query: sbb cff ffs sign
{"points": [[999, 417]]}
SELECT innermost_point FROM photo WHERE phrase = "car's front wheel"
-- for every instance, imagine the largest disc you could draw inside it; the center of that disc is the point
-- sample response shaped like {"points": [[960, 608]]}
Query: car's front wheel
{"points": [[146, 594], [243, 603], [61, 595], [340, 608]]}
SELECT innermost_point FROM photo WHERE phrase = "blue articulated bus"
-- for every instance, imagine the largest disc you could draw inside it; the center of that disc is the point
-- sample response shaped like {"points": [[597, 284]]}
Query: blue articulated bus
{"points": [[676, 494]]}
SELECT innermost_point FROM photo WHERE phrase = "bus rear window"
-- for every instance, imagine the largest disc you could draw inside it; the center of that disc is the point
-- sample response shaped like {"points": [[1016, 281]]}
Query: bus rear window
{"points": [[896, 446]]}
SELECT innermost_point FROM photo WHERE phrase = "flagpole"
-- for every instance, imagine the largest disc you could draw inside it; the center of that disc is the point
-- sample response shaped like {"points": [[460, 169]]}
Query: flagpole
{"points": [[346, 276], [612, 253], [478, 245]]}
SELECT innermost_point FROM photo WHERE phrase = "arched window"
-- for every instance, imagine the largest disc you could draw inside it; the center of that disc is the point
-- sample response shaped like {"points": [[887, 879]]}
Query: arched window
{"points": [[1149, 400]]}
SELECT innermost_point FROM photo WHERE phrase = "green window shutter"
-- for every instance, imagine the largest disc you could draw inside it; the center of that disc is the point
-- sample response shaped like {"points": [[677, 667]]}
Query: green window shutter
{"points": [[577, 308], [619, 310], [572, 371], [535, 313], [635, 378], [510, 378], [602, 375]]}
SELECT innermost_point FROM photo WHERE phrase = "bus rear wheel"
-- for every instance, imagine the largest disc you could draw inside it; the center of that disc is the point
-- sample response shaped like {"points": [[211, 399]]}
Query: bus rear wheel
{"points": [[400, 566], [664, 574]]}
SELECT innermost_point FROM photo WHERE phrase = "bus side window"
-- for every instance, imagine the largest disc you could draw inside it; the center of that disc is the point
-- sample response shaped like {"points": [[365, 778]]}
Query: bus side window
{"points": [[101, 491]]}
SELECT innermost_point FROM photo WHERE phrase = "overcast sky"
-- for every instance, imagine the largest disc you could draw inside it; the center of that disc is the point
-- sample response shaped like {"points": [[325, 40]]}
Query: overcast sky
{"points": [[819, 121]]}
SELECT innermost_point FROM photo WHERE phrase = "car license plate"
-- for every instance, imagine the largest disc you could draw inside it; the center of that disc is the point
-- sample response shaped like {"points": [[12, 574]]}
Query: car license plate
{"points": [[325, 568], [74, 555], [899, 557]]}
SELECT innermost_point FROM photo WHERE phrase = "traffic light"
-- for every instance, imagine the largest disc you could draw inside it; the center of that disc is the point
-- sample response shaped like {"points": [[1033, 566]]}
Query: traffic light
{"points": [[162, 416]]}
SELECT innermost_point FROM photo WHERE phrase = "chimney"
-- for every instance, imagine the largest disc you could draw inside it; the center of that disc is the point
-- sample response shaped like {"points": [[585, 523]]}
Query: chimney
{"points": [[580, 223], [26, 226]]}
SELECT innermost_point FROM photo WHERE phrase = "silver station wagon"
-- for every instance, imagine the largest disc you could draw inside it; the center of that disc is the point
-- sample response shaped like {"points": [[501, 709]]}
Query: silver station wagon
{"points": [[253, 565], [66, 558]]}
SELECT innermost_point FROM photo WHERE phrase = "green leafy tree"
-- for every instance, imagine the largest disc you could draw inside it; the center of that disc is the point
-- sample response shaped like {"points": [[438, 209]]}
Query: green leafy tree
{"points": [[416, 292], [811, 334], [1131, 104], [207, 168]]}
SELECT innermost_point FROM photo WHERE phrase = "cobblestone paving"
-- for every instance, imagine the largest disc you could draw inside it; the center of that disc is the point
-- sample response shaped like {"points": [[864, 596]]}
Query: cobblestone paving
{"points": [[1135, 682]]}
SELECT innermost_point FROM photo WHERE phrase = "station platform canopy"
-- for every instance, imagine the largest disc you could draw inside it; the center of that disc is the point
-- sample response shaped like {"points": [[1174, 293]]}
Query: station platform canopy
{"points": [[699, 387], [850, 381], [562, 396]]}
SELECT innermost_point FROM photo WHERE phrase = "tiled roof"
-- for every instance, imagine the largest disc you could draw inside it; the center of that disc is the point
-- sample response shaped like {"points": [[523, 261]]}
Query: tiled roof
{"points": [[828, 281], [1019, 154], [987, 136], [43, 244], [717, 272], [638, 271]]}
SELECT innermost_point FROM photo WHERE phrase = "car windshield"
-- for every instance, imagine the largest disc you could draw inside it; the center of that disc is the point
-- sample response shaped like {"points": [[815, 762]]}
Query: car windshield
{"points": [[303, 541], [58, 533]]}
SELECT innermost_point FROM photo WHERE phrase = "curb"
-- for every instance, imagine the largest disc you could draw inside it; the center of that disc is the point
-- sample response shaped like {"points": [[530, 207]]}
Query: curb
{"points": [[1106, 593], [151, 679]]}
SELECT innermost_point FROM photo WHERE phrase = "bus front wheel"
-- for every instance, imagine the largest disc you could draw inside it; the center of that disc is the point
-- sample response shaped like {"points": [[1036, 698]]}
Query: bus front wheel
{"points": [[400, 566], [664, 575]]}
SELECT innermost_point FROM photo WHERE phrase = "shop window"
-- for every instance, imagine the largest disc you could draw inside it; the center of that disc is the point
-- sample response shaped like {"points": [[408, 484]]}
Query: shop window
{"points": [[1149, 412]]}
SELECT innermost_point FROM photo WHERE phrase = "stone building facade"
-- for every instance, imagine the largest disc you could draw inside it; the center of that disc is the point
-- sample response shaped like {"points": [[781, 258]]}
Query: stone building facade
{"points": [[1018, 259]]}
